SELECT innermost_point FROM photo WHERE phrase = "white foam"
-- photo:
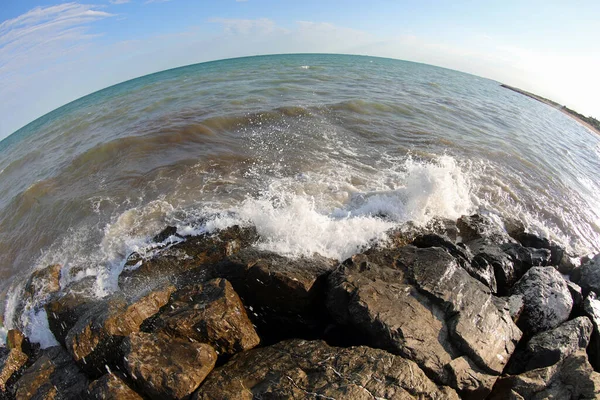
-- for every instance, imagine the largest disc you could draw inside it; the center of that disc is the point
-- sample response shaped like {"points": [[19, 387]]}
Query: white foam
{"points": [[3, 333]]}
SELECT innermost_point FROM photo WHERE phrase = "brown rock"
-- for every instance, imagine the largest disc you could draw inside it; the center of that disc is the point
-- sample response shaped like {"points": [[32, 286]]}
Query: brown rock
{"points": [[94, 340], [299, 369], [43, 282], [468, 380], [167, 368], [112, 387], [210, 313], [52, 376], [12, 364]]}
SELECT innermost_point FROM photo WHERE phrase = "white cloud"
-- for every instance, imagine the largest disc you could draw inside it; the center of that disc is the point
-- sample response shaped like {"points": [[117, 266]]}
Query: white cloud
{"points": [[155, 1], [248, 26], [119, 1]]}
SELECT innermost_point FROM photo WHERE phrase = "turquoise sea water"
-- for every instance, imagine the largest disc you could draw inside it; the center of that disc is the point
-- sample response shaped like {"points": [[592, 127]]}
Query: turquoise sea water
{"points": [[323, 153]]}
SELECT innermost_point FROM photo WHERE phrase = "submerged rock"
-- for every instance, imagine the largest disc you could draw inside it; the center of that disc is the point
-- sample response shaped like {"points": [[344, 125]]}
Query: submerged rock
{"points": [[547, 299], [300, 369], [210, 313], [166, 368], [54, 375]]}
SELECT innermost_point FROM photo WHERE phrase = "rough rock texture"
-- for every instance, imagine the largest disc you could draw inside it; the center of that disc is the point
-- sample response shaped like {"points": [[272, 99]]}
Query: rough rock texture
{"points": [[210, 313], [423, 306], [12, 364], [572, 378], [550, 347], [591, 308], [480, 226], [65, 308], [470, 382], [490, 257], [299, 369], [576, 293], [195, 251], [43, 282], [284, 293], [478, 325], [590, 275], [111, 386], [54, 375], [166, 368], [95, 338], [559, 257], [548, 302]]}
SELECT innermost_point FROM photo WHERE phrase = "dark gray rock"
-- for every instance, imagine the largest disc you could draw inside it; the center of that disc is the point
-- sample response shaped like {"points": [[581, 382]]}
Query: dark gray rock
{"points": [[209, 313], [570, 379], [490, 257], [299, 369], [164, 367], [590, 275], [591, 308], [548, 302], [576, 293], [479, 226], [53, 375], [559, 257]]}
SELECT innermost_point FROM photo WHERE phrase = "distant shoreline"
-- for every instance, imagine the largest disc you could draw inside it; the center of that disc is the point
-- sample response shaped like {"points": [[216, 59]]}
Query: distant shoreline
{"points": [[588, 122]]}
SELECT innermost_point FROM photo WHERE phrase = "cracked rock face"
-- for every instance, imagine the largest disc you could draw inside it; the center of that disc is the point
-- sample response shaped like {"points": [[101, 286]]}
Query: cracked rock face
{"points": [[166, 368], [300, 369], [547, 299]]}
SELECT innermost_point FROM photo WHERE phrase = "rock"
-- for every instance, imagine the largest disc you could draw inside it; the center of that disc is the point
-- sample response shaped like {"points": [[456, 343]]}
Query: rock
{"points": [[558, 256], [390, 313], [462, 255], [590, 275], [548, 302], [12, 365], [576, 293], [524, 258], [513, 227], [469, 381], [210, 313], [165, 234], [479, 226], [550, 347], [478, 326], [43, 283], [64, 309], [112, 386], [300, 369], [572, 378], [190, 254], [15, 340], [490, 257], [94, 340], [166, 368], [285, 296], [516, 305], [52, 376], [591, 308]]}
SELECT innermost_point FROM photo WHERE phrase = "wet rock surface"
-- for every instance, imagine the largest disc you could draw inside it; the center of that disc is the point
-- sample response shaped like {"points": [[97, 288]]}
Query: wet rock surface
{"points": [[166, 368], [299, 369], [435, 313], [547, 299], [210, 313]]}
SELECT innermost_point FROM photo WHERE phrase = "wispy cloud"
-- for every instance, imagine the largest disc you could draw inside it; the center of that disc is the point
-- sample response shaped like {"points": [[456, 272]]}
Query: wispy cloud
{"points": [[38, 40], [247, 26], [119, 1], [155, 1]]}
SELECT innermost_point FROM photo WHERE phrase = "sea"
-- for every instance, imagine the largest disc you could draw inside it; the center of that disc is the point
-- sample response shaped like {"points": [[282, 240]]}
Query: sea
{"points": [[322, 153]]}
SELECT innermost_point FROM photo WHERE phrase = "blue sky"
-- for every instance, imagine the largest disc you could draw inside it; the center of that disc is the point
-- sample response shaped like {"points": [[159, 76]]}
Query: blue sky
{"points": [[53, 52]]}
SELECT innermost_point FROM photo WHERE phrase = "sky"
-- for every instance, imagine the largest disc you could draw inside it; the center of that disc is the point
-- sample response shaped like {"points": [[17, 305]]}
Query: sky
{"points": [[53, 52]]}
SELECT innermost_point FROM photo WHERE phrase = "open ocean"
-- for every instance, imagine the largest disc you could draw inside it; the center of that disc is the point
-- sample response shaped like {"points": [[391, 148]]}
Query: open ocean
{"points": [[322, 153]]}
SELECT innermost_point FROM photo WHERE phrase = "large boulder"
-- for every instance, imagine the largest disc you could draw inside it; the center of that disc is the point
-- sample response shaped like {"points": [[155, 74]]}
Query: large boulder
{"points": [[559, 257], [551, 347], [14, 358], [195, 251], [111, 386], [210, 313], [166, 368], [284, 295], [477, 226], [547, 299], [299, 369], [53, 375], [420, 304], [570, 379], [94, 340]]}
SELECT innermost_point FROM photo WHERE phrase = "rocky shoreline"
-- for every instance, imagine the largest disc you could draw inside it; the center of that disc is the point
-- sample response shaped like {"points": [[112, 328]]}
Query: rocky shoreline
{"points": [[461, 310]]}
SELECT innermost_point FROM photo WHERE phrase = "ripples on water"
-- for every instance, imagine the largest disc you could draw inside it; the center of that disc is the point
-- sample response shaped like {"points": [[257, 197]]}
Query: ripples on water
{"points": [[322, 153]]}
